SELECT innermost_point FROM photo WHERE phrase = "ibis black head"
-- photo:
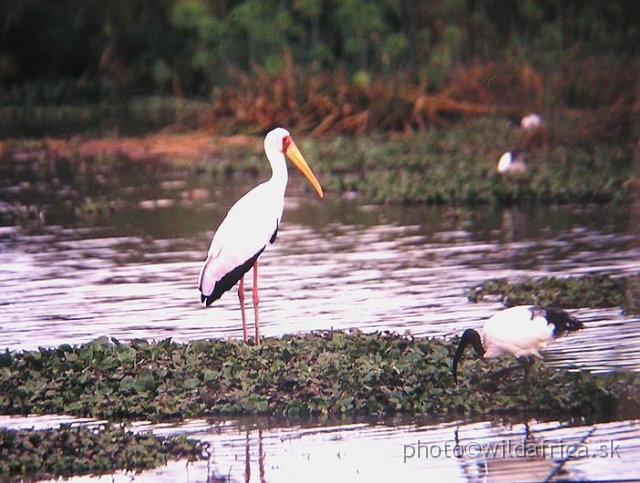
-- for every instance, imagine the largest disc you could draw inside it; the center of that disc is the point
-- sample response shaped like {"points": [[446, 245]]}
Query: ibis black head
{"points": [[469, 337]]}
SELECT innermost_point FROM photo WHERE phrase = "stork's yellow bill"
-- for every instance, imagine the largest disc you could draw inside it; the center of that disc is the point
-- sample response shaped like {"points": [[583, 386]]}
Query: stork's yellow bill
{"points": [[294, 154]]}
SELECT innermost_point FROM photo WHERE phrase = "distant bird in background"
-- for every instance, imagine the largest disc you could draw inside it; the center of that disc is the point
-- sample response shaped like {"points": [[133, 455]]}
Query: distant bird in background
{"points": [[534, 132], [521, 331], [531, 121], [533, 135], [251, 223], [513, 163]]}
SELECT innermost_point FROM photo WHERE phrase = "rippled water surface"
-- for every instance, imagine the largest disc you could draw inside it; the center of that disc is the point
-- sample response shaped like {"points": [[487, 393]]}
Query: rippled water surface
{"points": [[80, 258]]}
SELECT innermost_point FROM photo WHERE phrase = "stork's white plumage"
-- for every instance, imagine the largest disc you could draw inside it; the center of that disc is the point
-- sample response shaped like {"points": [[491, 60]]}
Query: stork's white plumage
{"points": [[521, 331], [251, 223]]}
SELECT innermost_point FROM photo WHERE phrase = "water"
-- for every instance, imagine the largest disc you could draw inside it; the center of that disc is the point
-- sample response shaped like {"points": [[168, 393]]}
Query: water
{"points": [[257, 450], [116, 250]]}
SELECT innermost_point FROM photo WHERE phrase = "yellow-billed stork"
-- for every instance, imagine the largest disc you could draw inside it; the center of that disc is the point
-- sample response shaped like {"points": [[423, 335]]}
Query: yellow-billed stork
{"points": [[521, 331], [250, 224]]}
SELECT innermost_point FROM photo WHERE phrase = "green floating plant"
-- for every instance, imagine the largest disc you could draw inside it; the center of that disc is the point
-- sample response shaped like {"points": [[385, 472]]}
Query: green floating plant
{"points": [[326, 373], [592, 291], [30, 454]]}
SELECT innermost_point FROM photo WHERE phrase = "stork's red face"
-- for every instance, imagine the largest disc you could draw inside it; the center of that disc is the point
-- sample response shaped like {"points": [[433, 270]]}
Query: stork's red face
{"points": [[286, 142]]}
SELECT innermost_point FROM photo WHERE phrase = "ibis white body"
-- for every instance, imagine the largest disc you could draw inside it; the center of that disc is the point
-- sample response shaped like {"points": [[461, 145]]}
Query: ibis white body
{"points": [[512, 162], [519, 331]]}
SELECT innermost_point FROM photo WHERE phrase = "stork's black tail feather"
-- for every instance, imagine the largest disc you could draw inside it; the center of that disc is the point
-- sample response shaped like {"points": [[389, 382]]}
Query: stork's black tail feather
{"points": [[206, 299], [562, 321], [228, 281]]}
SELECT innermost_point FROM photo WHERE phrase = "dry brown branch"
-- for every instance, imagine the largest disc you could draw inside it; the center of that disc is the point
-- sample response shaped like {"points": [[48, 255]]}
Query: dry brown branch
{"points": [[429, 109], [329, 102]]}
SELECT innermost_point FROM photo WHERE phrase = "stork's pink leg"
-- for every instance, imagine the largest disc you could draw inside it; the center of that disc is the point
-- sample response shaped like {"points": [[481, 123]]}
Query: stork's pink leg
{"points": [[244, 317], [256, 300]]}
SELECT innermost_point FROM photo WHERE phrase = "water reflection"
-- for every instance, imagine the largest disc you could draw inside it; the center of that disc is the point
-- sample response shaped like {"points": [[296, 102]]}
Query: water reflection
{"points": [[259, 450]]}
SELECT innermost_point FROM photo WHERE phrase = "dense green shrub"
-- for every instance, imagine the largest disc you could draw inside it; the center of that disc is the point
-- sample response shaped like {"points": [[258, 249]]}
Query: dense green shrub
{"points": [[189, 46]]}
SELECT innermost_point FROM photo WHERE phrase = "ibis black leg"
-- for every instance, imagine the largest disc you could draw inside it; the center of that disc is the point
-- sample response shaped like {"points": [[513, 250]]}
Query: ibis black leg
{"points": [[504, 372], [526, 362]]}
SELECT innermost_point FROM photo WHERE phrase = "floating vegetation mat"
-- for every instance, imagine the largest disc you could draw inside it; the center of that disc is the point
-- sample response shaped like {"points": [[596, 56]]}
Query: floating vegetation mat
{"points": [[326, 373], [593, 291], [31, 454]]}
